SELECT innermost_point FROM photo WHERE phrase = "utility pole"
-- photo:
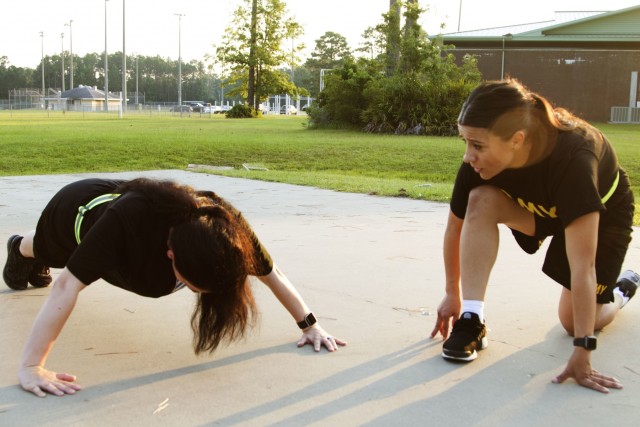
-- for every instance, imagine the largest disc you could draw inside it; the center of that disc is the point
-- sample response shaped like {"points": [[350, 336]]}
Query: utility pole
{"points": [[124, 62], [62, 59], [106, 62], [179, 15], [42, 59], [71, 50]]}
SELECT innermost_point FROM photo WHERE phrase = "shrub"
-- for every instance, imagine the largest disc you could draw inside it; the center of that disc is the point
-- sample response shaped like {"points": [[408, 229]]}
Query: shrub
{"points": [[241, 111]]}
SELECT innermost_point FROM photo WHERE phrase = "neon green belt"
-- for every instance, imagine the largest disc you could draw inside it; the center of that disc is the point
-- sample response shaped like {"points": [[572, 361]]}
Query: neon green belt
{"points": [[82, 210], [612, 189]]}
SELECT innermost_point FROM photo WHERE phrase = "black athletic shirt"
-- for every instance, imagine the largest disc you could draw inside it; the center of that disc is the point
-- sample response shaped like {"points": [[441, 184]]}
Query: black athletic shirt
{"points": [[570, 182], [123, 241]]}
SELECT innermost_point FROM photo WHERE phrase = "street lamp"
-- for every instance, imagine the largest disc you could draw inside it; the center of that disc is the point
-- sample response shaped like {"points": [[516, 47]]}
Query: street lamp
{"points": [[124, 62], [179, 15], [106, 62], [42, 59], [71, 51], [136, 55], [62, 59]]}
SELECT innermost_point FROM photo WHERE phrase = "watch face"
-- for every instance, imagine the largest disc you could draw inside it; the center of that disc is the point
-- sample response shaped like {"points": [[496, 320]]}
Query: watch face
{"points": [[588, 343]]}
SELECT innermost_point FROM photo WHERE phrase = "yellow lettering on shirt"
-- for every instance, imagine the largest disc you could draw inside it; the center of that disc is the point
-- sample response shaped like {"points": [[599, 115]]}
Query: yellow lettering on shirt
{"points": [[600, 289], [539, 210]]}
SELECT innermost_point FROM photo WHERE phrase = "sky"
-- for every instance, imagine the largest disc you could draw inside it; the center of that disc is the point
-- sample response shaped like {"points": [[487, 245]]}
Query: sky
{"points": [[152, 27]]}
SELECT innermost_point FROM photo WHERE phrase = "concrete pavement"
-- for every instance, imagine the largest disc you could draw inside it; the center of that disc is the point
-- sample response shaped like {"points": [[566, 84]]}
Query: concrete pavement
{"points": [[371, 269]]}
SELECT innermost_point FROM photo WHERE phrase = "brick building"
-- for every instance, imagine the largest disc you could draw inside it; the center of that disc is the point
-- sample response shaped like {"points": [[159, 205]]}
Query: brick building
{"points": [[586, 62]]}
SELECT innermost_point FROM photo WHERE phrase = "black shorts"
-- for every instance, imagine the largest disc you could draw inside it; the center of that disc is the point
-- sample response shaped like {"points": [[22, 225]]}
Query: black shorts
{"points": [[55, 241], [614, 236]]}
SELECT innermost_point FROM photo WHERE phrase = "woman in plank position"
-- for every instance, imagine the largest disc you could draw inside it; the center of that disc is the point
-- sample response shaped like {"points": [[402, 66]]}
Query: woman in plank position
{"points": [[151, 238]]}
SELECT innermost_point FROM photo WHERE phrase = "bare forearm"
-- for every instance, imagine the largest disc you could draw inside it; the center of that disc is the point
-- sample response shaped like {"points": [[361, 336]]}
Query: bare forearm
{"points": [[451, 255], [583, 299], [286, 293], [50, 321]]}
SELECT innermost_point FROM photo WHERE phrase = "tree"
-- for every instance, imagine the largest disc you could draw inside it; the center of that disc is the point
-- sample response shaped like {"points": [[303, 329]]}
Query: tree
{"points": [[331, 52], [254, 48], [414, 87]]}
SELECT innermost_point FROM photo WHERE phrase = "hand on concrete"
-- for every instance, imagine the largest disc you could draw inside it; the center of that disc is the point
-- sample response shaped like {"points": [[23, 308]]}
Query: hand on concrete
{"points": [[317, 337], [579, 368], [448, 313], [37, 380]]}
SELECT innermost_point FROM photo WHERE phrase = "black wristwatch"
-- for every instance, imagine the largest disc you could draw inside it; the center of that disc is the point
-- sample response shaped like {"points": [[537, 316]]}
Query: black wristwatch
{"points": [[588, 342], [309, 320]]}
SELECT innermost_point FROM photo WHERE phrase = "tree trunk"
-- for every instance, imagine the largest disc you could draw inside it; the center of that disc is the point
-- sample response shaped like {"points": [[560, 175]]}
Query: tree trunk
{"points": [[393, 36], [251, 90]]}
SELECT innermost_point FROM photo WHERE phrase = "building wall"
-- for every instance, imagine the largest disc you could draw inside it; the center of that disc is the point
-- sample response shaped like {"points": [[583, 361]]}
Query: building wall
{"points": [[587, 82]]}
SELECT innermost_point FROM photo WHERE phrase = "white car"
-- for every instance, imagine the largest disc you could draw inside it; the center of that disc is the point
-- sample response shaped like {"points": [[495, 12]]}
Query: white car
{"points": [[289, 109]]}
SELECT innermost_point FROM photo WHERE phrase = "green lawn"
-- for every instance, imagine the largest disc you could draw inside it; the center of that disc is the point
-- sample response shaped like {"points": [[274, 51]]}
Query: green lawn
{"points": [[417, 167]]}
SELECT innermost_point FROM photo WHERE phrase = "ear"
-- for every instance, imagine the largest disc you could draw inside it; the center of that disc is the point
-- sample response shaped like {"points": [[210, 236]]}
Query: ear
{"points": [[170, 254], [518, 139]]}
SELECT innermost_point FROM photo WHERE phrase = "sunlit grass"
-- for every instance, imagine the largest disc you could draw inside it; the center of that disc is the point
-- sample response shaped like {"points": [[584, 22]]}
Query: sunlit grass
{"points": [[406, 166]]}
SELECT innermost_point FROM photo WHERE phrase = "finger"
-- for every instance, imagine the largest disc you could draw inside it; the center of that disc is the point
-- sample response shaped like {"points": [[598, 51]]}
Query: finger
{"points": [[606, 381], [66, 377], [589, 383], [302, 341], [333, 346], [340, 342], [560, 378], [435, 331], [317, 343], [36, 390]]}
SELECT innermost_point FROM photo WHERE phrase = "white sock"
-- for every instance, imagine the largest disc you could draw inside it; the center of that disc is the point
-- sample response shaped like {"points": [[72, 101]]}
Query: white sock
{"points": [[474, 306], [625, 300]]}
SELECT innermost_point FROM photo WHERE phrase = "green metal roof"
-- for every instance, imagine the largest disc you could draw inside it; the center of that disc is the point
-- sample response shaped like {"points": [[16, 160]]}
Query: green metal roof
{"points": [[616, 26]]}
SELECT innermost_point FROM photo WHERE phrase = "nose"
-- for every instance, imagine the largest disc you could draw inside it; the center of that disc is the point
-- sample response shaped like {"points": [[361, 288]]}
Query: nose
{"points": [[468, 157]]}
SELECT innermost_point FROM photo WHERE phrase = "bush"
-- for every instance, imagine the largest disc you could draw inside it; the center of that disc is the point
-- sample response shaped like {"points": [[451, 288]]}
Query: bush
{"points": [[241, 111]]}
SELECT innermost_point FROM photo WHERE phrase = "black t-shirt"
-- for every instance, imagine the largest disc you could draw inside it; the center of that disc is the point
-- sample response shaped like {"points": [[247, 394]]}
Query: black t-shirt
{"points": [[570, 182], [123, 241]]}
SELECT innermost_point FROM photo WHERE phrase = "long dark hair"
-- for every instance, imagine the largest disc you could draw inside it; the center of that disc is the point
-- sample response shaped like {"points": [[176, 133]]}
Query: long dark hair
{"points": [[213, 251], [506, 106]]}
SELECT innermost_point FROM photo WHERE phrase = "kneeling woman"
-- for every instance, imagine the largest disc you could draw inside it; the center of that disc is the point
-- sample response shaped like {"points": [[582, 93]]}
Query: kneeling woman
{"points": [[542, 172], [152, 238]]}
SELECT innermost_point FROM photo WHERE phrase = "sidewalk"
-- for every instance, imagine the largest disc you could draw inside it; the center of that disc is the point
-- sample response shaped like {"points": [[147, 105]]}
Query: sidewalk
{"points": [[371, 269]]}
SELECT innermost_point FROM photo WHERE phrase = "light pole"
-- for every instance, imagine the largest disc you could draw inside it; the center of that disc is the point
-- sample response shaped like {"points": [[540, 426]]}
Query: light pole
{"points": [[179, 15], [62, 59], [459, 14], [124, 62], [71, 51], [136, 54], [106, 62], [42, 59]]}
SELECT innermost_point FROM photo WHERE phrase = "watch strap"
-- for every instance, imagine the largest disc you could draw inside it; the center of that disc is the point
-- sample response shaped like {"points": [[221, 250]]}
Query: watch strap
{"points": [[309, 320], [588, 342]]}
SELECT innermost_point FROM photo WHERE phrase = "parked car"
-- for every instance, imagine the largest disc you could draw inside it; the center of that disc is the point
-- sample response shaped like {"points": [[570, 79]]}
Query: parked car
{"points": [[181, 108], [288, 109]]}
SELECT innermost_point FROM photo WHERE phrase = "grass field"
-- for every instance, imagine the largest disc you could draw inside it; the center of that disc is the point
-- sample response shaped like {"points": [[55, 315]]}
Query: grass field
{"points": [[416, 167]]}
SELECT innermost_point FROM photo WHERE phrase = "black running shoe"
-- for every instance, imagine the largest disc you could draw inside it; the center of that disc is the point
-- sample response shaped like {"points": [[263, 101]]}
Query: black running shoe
{"points": [[40, 276], [18, 268], [467, 336], [628, 282]]}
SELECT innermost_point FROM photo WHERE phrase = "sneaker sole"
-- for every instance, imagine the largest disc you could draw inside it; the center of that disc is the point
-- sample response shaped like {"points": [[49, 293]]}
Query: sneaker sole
{"points": [[458, 357]]}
